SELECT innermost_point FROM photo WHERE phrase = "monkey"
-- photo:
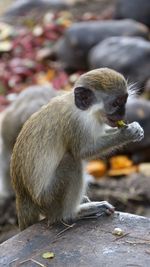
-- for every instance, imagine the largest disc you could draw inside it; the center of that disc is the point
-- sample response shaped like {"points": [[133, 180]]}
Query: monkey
{"points": [[46, 164], [13, 118]]}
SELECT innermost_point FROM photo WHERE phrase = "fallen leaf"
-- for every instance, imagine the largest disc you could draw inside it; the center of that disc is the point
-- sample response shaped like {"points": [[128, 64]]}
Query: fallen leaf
{"points": [[6, 31], [37, 31], [5, 46], [48, 255]]}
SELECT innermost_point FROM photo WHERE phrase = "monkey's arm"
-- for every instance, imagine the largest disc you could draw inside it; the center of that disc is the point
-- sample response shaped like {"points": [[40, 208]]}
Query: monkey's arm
{"points": [[109, 141], [102, 145]]}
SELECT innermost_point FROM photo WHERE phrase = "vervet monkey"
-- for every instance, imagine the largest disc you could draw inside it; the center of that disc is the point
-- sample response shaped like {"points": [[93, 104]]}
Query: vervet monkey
{"points": [[46, 166], [26, 103]]}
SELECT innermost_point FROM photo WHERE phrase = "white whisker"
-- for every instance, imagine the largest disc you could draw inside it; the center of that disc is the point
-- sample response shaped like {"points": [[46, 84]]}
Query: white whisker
{"points": [[134, 90]]}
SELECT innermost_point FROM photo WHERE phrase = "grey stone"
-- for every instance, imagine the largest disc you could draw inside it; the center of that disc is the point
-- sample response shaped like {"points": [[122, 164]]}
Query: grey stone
{"points": [[139, 110], [88, 243], [128, 55], [23, 7], [135, 9], [73, 49]]}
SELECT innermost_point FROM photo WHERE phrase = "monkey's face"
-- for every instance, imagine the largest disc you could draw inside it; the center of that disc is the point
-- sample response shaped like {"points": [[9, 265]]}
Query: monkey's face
{"points": [[115, 107], [103, 90], [110, 104]]}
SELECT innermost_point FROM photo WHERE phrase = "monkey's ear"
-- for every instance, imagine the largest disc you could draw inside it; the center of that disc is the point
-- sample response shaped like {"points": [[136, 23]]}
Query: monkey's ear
{"points": [[84, 97]]}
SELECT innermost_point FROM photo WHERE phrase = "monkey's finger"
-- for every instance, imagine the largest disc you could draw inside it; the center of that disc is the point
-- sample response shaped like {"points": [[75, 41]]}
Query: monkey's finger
{"points": [[111, 130]]}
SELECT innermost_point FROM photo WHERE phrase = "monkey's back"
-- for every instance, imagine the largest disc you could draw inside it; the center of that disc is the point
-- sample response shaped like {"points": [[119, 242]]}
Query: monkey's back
{"points": [[40, 146]]}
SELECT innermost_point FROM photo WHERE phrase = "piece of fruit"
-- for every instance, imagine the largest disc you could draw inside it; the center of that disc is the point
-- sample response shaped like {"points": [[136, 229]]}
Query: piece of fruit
{"points": [[123, 171], [120, 162], [118, 231], [121, 123], [97, 168], [48, 255]]}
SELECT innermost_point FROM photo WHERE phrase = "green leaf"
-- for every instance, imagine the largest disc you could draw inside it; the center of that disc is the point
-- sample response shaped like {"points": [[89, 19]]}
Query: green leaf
{"points": [[48, 255]]}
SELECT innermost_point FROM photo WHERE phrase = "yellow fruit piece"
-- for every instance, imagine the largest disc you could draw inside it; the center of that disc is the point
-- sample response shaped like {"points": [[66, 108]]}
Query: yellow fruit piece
{"points": [[48, 255], [121, 123], [118, 232], [97, 168]]}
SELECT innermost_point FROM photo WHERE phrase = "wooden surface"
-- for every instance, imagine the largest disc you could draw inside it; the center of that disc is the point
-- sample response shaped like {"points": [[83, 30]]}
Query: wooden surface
{"points": [[89, 243]]}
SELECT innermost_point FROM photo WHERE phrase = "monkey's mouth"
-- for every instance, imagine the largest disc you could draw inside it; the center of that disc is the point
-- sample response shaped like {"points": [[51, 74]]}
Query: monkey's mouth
{"points": [[112, 120]]}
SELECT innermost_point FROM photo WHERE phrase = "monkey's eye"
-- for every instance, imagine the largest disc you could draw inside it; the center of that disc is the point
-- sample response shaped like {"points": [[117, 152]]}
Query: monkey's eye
{"points": [[121, 100]]}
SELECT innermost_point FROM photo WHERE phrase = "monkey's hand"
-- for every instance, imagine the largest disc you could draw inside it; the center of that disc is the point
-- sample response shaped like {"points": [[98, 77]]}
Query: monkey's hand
{"points": [[133, 132], [117, 137]]}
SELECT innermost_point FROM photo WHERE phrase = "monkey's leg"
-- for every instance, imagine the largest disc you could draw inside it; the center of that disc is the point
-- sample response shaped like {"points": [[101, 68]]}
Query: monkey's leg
{"points": [[27, 212], [93, 208]]}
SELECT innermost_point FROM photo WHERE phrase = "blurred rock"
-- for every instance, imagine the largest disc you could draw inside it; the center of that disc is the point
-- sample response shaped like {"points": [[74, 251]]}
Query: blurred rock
{"points": [[128, 55], [144, 168], [73, 49], [134, 9], [25, 7], [126, 193], [139, 110]]}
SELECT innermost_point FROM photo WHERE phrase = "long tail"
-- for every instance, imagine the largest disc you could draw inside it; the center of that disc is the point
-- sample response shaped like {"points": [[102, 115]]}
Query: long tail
{"points": [[27, 212]]}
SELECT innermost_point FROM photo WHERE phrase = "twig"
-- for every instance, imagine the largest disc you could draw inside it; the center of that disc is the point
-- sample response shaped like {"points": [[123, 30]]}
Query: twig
{"points": [[13, 261], [65, 224], [66, 229], [138, 242], [37, 262], [119, 237]]}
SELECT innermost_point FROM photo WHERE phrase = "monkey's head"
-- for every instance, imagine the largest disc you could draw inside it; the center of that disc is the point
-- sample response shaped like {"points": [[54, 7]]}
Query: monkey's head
{"points": [[104, 88]]}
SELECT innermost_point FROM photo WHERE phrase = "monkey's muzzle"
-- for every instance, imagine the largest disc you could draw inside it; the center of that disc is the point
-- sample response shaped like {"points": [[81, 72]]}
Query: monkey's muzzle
{"points": [[112, 120]]}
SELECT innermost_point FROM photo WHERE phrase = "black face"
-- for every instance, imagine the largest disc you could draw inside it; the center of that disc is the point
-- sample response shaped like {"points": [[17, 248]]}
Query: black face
{"points": [[115, 109], [84, 98]]}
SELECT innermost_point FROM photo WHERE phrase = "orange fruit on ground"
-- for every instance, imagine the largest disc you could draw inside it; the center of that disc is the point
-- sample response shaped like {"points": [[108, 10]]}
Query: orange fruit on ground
{"points": [[120, 162], [97, 168]]}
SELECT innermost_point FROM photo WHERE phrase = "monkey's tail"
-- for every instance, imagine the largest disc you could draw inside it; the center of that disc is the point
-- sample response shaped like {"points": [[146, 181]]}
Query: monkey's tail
{"points": [[27, 212]]}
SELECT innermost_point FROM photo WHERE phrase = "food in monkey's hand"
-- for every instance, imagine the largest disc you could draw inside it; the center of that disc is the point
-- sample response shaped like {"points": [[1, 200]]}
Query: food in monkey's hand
{"points": [[121, 124]]}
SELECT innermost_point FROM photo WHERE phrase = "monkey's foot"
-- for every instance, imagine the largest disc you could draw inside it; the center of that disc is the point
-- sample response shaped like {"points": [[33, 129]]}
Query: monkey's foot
{"points": [[95, 208]]}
